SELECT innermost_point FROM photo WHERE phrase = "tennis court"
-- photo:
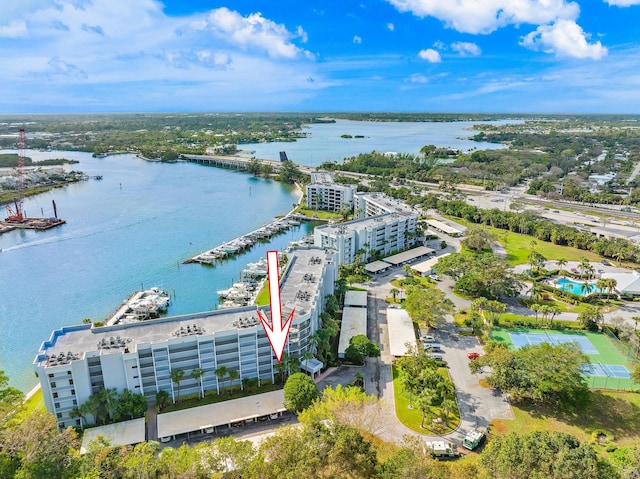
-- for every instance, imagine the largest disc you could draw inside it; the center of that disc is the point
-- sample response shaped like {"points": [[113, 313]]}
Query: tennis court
{"points": [[604, 370], [524, 339], [609, 368]]}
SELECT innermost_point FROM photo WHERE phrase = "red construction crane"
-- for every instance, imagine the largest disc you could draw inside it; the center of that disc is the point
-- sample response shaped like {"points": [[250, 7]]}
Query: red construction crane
{"points": [[17, 216]]}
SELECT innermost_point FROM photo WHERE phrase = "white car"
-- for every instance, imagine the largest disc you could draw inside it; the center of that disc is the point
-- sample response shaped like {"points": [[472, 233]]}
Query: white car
{"points": [[435, 277], [427, 338]]}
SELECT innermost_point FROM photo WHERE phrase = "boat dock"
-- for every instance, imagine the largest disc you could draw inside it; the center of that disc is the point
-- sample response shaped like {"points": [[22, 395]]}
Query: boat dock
{"points": [[244, 242], [39, 224], [140, 306]]}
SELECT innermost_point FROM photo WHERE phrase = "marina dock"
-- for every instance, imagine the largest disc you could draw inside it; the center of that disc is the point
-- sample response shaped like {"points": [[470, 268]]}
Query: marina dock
{"points": [[240, 244], [140, 306]]}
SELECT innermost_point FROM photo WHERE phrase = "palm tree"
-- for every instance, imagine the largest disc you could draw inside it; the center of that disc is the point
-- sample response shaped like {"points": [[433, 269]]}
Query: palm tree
{"points": [[109, 398], [561, 264], [611, 284], [197, 373], [307, 356], [394, 292], [77, 412], [221, 372], [586, 288], [446, 408], [162, 398], [176, 376], [424, 401], [234, 375], [584, 265], [446, 387]]}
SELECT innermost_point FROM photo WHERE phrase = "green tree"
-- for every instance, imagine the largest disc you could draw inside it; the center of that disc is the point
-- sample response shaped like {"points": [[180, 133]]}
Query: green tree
{"points": [[542, 373], [428, 306], [479, 239], [176, 376], [635, 374], [254, 167], [10, 399], [552, 455], [299, 392], [289, 172], [359, 348], [221, 373], [162, 398], [424, 400], [234, 375], [590, 317], [197, 373]]}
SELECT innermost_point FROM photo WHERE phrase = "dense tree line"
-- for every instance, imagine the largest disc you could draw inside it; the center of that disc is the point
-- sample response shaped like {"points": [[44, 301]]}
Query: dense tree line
{"points": [[540, 228]]}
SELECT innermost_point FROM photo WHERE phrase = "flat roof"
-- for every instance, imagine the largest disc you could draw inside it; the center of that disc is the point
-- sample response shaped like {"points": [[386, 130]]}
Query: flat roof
{"points": [[449, 229], [364, 223], [355, 298], [306, 267], [312, 365], [401, 331], [387, 203], [409, 255], [427, 265], [354, 322], [118, 434], [322, 177], [376, 266], [220, 414]]}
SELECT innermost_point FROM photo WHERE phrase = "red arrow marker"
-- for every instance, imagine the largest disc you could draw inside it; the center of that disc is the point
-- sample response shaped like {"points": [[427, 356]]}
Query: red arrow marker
{"points": [[277, 332]]}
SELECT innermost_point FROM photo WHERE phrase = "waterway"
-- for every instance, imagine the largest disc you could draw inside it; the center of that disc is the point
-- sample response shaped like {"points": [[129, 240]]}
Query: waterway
{"points": [[131, 230], [324, 142]]}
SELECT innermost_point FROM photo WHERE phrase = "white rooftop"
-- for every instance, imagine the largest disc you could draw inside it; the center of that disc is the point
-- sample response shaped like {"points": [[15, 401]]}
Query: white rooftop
{"points": [[354, 323], [364, 223], [220, 414], [355, 298], [118, 434], [447, 228], [427, 265], [401, 331], [409, 255], [625, 282], [387, 203], [322, 177], [376, 266]]}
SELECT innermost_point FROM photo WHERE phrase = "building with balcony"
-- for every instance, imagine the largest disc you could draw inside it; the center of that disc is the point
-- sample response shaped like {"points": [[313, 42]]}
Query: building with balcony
{"points": [[383, 233], [79, 361], [324, 194], [375, 204]]}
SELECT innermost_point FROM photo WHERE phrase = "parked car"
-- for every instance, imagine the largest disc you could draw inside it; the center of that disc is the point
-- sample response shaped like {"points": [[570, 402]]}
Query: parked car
{"points": [[605, 262], [427, 338], [435, 277], [575, 271], [428, 346], [473, 355], [437, 357]]}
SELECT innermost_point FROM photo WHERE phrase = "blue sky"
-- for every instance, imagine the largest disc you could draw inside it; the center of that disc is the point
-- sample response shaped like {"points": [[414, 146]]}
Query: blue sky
{"points": [[320, 55]]}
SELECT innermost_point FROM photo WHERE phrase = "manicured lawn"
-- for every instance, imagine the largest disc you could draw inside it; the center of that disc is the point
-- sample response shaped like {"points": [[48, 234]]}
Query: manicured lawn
{"points": [[323, 215], [412, 417], [262, 299], [518, 246], [616, 413], [35, 402]]}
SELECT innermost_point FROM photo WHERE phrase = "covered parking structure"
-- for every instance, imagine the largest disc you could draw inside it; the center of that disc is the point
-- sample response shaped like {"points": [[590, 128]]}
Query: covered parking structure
{"points": [[123, 433], [356, 298], [425, 268], [376, 267], [446, 228], [409, 255], [206, 419], [401, 332], [354, 323]]}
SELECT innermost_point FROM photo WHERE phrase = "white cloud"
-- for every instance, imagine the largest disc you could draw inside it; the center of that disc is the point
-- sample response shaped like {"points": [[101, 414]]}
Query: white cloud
{"points": [[391, 27], [565, 38], [466, 49], [253, 32], [15, 29], [486, 16], [304, 38], [430, 55], [357, 40], [439, 45], [203, 58], [623, 3], [416, 78]]}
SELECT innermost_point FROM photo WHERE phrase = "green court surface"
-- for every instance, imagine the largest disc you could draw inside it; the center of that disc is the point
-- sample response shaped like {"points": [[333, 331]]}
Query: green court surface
{"points": [[610, 352]]}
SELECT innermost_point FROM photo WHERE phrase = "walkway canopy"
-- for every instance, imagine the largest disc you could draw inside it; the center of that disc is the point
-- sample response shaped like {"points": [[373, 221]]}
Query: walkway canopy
{"points": [[401, 332], [354, 323], [118, 434], [376, 267], [409, 255]]}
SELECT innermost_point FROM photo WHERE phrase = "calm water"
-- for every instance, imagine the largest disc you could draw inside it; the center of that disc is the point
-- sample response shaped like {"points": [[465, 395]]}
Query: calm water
{"points": [[325, 144], [133, 229]]}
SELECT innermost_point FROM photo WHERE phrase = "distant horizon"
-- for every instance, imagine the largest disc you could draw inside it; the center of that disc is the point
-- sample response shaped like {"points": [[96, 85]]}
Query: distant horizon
{"points": [[537, 56]]}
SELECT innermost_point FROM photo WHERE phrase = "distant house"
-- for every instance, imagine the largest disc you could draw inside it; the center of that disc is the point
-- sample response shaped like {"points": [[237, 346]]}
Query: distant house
{"points": [[626, 283]]}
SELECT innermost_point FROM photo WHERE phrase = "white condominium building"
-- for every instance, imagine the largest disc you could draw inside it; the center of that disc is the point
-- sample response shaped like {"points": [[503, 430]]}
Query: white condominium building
{"points": [[384, 233], [79, 361], [324, 194], [374, 204]]}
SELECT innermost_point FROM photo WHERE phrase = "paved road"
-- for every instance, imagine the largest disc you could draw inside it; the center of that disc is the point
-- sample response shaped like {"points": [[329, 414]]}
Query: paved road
{"points": [[478, 405]]}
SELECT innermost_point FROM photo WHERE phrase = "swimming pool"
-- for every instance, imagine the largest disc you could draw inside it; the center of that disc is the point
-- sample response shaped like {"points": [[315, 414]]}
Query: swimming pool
{"points": [[575, 287]]}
